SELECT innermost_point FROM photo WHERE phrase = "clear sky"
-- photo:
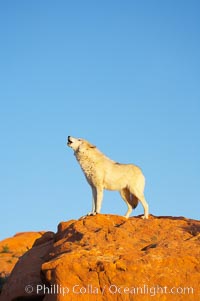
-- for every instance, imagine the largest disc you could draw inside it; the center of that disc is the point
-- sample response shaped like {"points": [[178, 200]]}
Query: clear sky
{"points": [[124, 75]]}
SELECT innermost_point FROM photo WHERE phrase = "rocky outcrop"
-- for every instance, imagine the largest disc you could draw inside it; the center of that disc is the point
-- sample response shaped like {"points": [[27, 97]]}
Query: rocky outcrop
{"points": [[11, 249], [107, 257]]}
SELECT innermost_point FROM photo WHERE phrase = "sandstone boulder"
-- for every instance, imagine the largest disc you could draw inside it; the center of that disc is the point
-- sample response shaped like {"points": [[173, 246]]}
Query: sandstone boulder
{"points": [[11, 249], [107, 257]]}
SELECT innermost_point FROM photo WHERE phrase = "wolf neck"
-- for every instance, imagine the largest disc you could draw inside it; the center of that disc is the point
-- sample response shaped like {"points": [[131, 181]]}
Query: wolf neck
{"points": [[89, 156], [81, 156]]}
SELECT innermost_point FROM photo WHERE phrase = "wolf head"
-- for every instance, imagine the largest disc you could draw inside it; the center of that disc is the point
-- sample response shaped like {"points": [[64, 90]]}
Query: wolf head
{"points": [[77, 144], [74, 143]]}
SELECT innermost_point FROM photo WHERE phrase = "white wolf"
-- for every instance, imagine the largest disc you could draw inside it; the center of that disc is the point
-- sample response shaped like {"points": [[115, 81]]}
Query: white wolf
{"points": [[103, 173]]}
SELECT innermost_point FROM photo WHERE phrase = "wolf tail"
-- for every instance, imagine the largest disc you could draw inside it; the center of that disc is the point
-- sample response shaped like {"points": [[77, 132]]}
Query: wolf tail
{"points": [[133, 201]]}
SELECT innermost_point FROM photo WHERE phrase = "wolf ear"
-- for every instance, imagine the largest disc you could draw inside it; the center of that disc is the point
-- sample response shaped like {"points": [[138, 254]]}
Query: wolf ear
{"points": [[89, 145]]}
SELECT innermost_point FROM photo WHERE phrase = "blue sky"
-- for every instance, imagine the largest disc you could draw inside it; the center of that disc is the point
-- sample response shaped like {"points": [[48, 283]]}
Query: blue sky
{"points": [[125, 75]]}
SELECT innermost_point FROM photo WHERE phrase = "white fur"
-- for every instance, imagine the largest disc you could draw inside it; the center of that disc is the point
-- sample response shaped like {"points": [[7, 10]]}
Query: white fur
{"points": [[103, 173]]}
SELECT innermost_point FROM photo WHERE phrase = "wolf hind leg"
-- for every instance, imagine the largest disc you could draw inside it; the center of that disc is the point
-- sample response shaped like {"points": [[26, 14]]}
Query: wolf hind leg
{"points": [[145, 206], [130, 200], [144, 203]]}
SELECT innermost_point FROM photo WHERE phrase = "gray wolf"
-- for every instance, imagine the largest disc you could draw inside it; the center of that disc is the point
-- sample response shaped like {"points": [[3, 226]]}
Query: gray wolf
{"points": [[104, 173]]}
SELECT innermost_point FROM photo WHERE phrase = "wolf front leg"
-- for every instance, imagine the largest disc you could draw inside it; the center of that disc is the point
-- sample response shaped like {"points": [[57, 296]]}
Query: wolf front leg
{"points": [[99, 199], [94, 197]]}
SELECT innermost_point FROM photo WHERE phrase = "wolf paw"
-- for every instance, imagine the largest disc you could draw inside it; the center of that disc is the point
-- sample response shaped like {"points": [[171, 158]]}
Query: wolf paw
{"points": [[91, 213], [144, 217]]}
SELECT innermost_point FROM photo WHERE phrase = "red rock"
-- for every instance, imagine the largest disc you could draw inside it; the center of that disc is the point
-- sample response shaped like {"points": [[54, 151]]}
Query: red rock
{"points": [[11, 249], [107, 257], [26, 273]]}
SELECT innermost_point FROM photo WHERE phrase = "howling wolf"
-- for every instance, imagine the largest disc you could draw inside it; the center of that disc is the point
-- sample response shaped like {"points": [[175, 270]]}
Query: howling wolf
{"points": [[103, 173]]}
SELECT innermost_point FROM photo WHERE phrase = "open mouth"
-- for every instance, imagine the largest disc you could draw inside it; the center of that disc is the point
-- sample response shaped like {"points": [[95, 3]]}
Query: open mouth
{"points": [[69, 141]]}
